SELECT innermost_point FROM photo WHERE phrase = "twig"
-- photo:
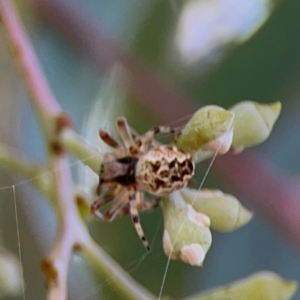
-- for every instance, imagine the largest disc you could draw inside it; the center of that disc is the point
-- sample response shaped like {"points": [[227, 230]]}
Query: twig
{"points": [[12, 162], [77, 146], [42, 100], [70, 229]]}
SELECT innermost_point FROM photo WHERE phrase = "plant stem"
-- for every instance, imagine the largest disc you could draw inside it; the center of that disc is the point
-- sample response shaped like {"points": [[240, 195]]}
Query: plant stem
{"points": [[85, 152], [10, 161]]}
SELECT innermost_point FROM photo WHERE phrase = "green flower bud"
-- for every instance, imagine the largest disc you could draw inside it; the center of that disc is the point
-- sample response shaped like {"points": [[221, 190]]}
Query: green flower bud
{"points": [[210, 129], [187, 235], [253, 123], [264, 285], [10, 274], [83, 205], [225, 212]]}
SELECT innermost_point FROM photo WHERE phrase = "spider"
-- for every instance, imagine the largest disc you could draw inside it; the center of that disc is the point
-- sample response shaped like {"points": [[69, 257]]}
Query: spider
{"points": [[140, 165]]}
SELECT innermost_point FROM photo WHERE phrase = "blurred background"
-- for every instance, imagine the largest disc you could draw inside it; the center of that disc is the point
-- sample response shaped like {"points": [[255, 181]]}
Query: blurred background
{"points": [[174, 57]]}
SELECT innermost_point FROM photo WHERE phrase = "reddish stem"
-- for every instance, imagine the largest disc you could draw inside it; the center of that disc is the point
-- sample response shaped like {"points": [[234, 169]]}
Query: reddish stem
{"points": [[43, 100]]}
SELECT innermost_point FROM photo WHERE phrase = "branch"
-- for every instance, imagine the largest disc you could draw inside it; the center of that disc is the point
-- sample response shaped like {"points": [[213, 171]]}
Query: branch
{"points": [[77, 146], [70, 230], [42, 99], [11, 161]]}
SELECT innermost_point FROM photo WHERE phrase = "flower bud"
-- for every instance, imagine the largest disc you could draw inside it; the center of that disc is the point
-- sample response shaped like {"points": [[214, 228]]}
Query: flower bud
{"points": [[210, 129], [253, 123], [264, 285], [225, 212], [82, 204], [10, 274], [187, 235]]}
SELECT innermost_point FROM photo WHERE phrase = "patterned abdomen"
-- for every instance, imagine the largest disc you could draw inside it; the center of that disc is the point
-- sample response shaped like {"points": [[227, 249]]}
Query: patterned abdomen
{"points": [[163, 170]]}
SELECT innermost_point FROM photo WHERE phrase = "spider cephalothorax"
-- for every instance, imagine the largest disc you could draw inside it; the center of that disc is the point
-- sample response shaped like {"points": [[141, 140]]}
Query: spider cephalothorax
{"points": [[141, 165]]}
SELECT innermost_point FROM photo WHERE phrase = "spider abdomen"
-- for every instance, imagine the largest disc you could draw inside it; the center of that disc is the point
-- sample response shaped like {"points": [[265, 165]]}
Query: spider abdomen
{"points": [[163, 170]]}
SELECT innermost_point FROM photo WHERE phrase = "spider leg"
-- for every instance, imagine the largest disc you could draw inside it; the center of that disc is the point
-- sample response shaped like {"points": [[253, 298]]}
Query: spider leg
{"points": [[144, 206], [149, 205], [148, 138], [117, 207], [139, 200], [134, 134], [135, 218], [103, 199], [96, 205], [125, 133], [108, 139], [149, 135], [108, 157]]}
